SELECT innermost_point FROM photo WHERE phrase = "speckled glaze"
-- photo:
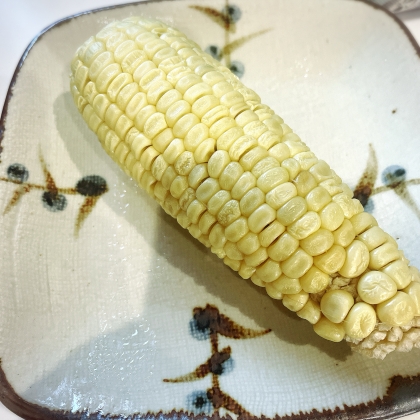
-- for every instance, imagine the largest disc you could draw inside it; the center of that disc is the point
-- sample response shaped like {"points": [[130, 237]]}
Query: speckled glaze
{"points": [[109, 309]]}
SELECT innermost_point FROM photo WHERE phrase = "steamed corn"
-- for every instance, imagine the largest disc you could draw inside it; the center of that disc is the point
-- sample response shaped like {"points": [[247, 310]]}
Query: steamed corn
{"points": [[236, 176]]}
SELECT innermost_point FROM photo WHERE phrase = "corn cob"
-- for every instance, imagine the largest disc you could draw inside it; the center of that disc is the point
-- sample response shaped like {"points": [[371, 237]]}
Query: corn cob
{"points": [[236, 176]]}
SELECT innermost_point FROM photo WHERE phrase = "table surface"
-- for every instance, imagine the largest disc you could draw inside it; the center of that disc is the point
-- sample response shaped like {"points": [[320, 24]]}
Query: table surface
{"points": [[22, 20]]}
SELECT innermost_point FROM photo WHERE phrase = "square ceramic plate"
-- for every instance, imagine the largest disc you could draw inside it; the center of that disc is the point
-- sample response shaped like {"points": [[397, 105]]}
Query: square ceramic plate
{"points": [[100, 286]]}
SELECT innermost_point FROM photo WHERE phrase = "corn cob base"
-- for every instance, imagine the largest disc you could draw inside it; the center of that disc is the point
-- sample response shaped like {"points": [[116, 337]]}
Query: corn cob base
{"points": [[232, 173]]}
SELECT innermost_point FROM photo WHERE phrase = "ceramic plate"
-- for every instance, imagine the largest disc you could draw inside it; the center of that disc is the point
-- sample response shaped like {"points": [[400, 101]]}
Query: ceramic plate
{"points": [[106, 302]]}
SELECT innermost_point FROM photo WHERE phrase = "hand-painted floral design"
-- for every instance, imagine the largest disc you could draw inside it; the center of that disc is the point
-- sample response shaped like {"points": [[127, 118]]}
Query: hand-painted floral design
{"points": [[54, 198], [227, 18], [209, 323], [393, 178]]}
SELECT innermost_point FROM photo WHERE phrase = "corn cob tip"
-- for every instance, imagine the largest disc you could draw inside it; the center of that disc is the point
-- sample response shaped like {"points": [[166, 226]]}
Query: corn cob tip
{"points": [[237, 177]]}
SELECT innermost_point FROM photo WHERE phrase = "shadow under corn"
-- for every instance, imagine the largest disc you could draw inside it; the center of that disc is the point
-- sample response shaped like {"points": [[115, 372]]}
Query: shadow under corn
{"points": [[176, 245]]}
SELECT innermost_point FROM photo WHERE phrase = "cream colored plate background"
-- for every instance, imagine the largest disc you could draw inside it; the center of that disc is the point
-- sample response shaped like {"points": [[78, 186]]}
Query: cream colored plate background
{"points": [[33, 17]]}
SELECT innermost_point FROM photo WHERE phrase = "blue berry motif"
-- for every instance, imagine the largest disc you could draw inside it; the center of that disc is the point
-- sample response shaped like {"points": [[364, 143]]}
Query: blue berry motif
{"points": [[393, 175], [198, 403], [91, 186], [232, 12], [199, 330], [369, 206], [237, 68], [215, 51], [223, 367], [53, 201], [17, 173]]}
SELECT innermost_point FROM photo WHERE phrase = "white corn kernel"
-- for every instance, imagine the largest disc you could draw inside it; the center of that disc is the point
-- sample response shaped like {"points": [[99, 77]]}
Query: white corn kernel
{"points": [[357, 260], [328, 330], [291, 211], [383, 255], [244, 184], [362, 222], [315, 280], [280, 195], [287, 285], [332, 216], [272, 178], [398, 310], [237, 230], [218, 200], [331, 261], [317, 198], [256, 258], [272, 291], [261, 217], [304, 182], [270, 233], [375, 287], [297, 264], [283, 247], [335, 305], [413, 290], [269, 271], [373, 237], [306, 225], [399, 272], [311, 312], [217, 163], [249, 243], [292, 166], [207, 189], [296, 301], [233, 252], [229, 213], [345, 234], [318, 242], [198, 175], [251, 201], [360, 321]]}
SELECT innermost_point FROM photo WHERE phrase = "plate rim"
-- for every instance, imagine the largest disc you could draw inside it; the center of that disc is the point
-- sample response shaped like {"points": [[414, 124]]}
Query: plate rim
{"points": [[31, 411]]}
